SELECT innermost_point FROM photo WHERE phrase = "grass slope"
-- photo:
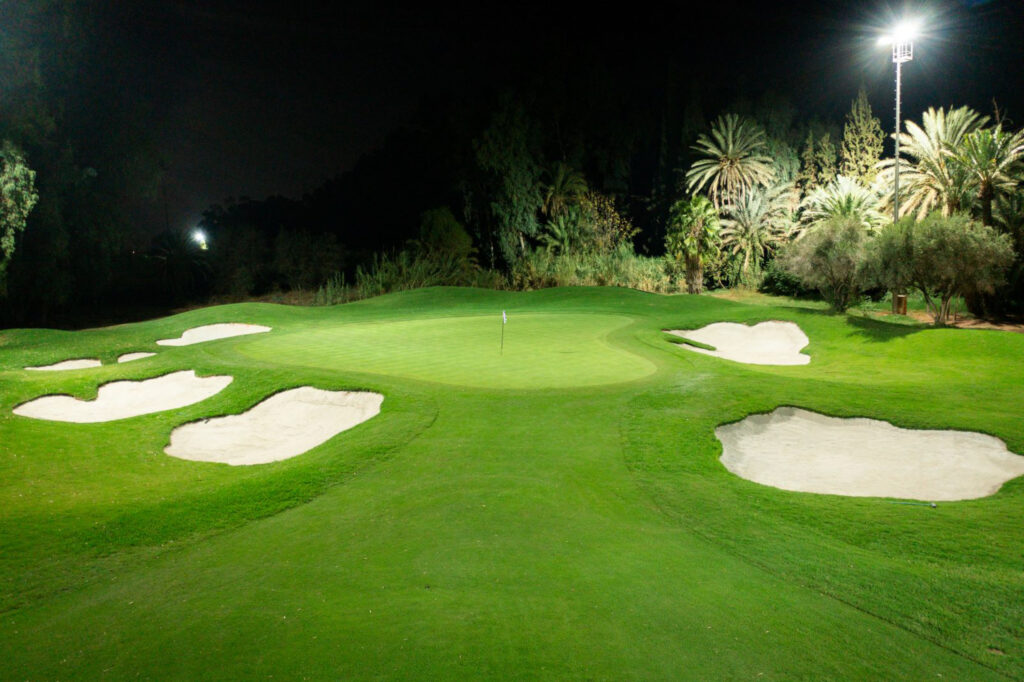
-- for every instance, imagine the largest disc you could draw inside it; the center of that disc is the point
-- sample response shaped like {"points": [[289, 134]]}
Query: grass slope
{"points": [[566, 518]]}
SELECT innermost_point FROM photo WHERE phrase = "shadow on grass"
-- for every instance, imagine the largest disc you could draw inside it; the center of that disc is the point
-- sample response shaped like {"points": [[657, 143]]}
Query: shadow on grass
{"points": [[877, 330]]}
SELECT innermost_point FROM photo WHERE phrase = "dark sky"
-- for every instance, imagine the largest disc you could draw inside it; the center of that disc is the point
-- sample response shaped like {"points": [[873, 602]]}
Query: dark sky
{"points": [[258, 98]]}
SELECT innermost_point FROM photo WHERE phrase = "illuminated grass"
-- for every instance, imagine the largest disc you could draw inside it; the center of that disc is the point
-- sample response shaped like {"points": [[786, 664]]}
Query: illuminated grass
{"points": [[477, 530], [539, 350]]}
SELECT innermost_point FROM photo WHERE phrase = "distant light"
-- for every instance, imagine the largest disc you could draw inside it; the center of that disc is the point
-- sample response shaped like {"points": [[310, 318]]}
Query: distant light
{"points": [[199, 237]]}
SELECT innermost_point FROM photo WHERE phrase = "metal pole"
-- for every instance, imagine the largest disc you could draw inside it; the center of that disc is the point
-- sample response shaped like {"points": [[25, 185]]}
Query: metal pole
{"points": [[896, 184]]}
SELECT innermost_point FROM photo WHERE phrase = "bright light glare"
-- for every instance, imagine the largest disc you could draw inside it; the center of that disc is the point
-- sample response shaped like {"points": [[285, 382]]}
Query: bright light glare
{"points": [[903, 32], [199, 237]]}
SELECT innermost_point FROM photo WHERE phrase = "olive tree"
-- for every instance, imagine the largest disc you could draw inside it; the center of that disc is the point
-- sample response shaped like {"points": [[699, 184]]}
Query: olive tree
{"points": [[942, 256], [829, 259]]}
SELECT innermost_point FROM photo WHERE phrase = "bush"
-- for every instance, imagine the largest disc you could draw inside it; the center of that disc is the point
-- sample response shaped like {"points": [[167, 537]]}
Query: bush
{"points": [[777, 281], [829, 259], [333, 291], [942, 256], [441, 233], [622, 267]]}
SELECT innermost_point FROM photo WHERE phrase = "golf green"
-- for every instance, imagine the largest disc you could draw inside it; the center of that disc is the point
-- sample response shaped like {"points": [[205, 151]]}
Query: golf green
{"points": [[530, 351], [553, 509]]}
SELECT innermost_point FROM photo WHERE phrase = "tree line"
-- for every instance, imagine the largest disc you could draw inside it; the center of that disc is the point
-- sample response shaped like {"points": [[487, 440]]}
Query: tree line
{"points": [[560, 177]]}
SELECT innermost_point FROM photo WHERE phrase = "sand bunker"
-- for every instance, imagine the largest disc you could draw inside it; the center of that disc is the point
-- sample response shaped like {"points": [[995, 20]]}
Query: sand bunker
{"points": [[767, 343], [128, 357], [123, 399], [798, 450], [212, 332], [282, 426], [67, 364]]}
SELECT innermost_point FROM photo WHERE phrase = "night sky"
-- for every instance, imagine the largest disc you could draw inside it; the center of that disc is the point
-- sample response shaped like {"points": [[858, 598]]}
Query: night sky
{"points": [[260, 98]]}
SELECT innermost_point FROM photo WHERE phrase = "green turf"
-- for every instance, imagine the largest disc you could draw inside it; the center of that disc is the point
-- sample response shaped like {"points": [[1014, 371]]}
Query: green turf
{"points": [[531, 351], [570, 521]]}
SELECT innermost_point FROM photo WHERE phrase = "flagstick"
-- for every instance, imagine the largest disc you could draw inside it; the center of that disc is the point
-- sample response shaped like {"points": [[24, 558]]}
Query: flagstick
{"points": [[502, 335]]}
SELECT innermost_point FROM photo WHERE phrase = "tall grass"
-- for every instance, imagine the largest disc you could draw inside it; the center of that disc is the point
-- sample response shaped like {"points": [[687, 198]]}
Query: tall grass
{"points": [[622, 267], [539, 269], [407, 270]]}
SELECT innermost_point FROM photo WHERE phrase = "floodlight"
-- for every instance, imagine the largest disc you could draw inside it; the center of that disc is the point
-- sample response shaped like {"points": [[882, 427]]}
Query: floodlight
{"points": [[901, 38]]}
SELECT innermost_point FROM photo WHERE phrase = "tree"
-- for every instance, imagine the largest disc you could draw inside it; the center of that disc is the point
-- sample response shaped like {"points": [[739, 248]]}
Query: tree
{"points": [[602, 228], [806, 179], [825, 160], [734, 160], [17, 198], [564, 187], [933, 179], [754, 225], [817, 163], [507, 152], [889, 258], [843, 198], [181, 268], [692, 238], [862, 142], [990, 157], [441, 233], [829, 260], [947, 256], [561, 234]]}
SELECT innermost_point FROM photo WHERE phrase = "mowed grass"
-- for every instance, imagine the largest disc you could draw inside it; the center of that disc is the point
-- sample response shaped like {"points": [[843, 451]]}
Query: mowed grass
{"points": [[531, 351], [496, 524]]}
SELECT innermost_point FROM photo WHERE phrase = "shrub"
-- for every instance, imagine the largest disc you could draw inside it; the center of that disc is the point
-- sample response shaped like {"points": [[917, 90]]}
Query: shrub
{"points": [[829, 259], [333, 291], [942, 256], [780, 282], [622, 267]]}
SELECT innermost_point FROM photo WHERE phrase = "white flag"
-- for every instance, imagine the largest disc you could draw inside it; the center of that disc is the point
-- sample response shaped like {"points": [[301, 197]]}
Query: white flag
{"points": [[504, 318]]}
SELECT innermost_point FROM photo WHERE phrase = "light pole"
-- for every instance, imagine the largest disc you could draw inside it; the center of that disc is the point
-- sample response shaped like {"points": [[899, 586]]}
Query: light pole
{"points": [[902, 42]]}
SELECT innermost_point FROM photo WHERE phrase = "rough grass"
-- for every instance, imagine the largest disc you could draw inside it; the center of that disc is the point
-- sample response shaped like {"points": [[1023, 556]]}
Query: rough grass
{"points": [[533, 525]]}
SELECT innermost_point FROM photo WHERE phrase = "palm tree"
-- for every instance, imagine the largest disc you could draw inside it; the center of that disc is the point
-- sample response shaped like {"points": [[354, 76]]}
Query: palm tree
{"points": [[1009, 217], [565, 186], [755, 224], [693, 238], [561, 234], [990, 157], [735, 160], [933, 179], [844, 198]]}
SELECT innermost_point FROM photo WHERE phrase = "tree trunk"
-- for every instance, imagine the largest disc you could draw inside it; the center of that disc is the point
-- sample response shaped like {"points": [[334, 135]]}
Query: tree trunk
{"points": [[985, 196], [694, 275]]}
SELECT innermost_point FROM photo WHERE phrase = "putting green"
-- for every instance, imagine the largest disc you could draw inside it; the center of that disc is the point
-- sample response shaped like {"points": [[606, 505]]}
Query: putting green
{"points": [[540, 350]]}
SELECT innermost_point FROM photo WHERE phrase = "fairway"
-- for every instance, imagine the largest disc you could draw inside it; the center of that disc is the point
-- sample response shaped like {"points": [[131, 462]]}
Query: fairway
{"points": [[555, 510], [533, 351]]}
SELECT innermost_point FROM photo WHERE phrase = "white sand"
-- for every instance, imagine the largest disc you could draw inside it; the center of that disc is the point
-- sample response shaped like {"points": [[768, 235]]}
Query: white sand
{"points": [[767, 343], [798, 450], [212, 332], [282, 426], [67, 364], [123, 399], [128, 357]]}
